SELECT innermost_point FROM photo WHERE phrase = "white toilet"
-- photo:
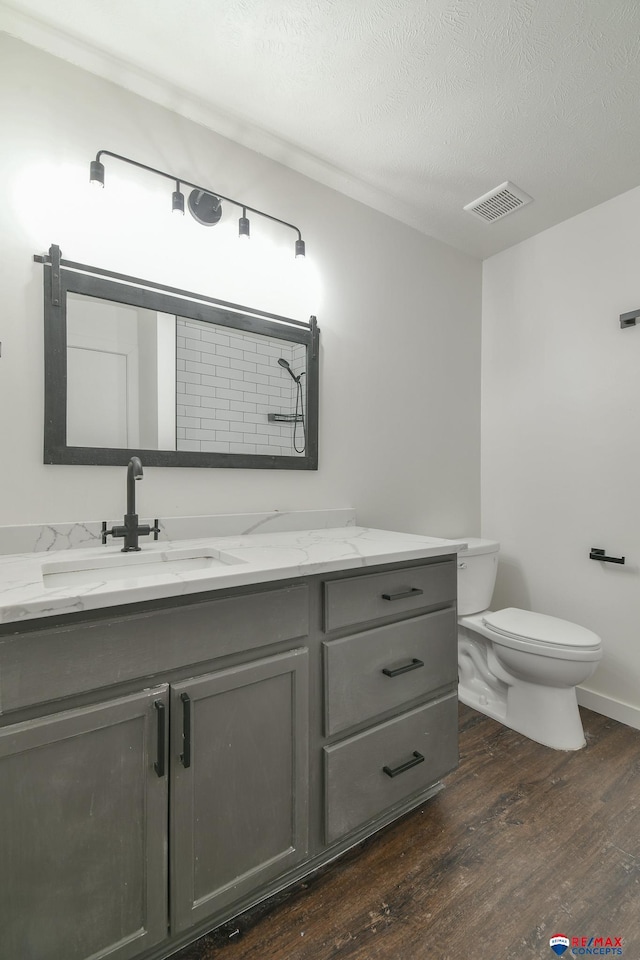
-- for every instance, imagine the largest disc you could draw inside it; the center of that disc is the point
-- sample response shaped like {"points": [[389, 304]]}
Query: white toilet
{"points": [[520, 668]]}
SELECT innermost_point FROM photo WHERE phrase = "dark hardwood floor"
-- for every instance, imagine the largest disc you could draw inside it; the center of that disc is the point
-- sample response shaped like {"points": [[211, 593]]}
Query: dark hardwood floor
{"points": [[523, 843]]}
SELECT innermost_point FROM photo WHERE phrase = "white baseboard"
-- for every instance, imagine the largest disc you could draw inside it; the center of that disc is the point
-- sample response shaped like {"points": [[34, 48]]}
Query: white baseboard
{"points": [[608, 707]]}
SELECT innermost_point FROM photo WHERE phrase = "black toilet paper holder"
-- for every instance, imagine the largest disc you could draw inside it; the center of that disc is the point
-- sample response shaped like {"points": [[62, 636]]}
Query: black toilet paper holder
{"points": [[596, 554]]}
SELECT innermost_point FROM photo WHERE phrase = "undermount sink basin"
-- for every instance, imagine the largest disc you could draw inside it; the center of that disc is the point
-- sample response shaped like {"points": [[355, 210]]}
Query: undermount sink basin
{"points": [[132, 566]]}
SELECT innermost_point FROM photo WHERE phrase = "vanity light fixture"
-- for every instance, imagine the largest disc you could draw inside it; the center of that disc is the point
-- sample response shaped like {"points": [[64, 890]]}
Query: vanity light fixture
{"points": [[204, 205]]}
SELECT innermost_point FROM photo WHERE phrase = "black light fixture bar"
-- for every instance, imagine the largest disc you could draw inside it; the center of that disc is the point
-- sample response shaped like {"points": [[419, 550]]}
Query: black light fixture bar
{"points": [[97, 176]]}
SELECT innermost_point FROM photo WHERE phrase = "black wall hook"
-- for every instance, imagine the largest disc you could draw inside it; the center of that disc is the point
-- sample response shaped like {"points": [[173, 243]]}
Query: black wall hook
{"points": [[597, 554]]}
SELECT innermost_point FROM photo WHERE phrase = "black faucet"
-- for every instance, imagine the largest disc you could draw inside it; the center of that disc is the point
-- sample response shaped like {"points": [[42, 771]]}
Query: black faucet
{"points": [[131, 529]]}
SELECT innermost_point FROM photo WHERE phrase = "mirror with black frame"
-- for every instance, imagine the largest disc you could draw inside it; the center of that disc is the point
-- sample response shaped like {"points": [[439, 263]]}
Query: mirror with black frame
{"points": [[177, 379]]}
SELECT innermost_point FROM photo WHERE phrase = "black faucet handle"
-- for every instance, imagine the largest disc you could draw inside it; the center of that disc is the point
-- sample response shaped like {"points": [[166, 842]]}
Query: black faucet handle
{"points": [[105, 533], [144, 529]]}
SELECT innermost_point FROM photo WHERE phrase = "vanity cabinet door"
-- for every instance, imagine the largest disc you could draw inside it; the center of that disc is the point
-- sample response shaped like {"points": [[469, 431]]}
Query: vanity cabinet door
{"points": [[83, 828], [239, 797]]}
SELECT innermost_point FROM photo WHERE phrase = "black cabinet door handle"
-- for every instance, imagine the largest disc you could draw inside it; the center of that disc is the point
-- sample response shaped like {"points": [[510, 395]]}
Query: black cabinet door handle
{"points": [[411, 592], [185, 756], [415, 760], [160, 712], [415, 664]]}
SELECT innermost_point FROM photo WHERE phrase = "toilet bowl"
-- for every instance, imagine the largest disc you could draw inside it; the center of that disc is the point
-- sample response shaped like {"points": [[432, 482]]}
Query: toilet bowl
{"points": [[519, 667]]}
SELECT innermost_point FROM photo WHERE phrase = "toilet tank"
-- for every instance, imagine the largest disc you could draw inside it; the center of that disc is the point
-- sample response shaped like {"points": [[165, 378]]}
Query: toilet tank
{"points": [[477, 568]]}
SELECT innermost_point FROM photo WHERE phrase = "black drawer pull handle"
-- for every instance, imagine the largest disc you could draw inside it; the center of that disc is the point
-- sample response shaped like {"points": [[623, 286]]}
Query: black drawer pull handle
{"points": [[414, 665], [394, 771], [159, 763], [185, 756], [412, 592]]}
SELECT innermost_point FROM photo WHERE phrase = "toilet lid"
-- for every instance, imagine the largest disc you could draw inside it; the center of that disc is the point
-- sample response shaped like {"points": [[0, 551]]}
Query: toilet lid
{"points": [[525, 625]]}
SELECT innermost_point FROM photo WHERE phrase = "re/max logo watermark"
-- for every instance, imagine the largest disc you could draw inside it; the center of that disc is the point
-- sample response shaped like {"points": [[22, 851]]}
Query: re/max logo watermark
{"points": [[587, 946]]}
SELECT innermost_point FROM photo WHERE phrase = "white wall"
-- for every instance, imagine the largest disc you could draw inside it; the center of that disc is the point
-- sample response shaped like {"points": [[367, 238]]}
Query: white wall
{"points": [[399, 313], [561, 433]]}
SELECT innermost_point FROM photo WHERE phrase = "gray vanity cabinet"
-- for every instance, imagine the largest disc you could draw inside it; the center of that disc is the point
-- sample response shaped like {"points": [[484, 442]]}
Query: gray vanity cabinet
{"points": [[165, 765], [83, 868], [239, 789]]}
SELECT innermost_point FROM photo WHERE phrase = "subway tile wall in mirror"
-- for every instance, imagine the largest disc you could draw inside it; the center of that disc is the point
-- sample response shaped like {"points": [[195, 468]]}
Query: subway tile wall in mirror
{"points": [[228, 382]]}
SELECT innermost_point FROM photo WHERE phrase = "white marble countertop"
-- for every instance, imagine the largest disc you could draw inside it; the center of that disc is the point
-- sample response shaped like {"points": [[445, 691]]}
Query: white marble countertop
{"points": [[36, 585]]}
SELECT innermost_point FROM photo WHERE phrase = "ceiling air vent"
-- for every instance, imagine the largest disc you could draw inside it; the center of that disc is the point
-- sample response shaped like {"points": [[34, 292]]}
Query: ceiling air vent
{"points": [[498, 202]]}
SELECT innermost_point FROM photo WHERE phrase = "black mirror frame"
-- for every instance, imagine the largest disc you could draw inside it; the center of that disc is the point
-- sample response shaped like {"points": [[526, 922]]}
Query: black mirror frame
{"points": [[62, 277]]}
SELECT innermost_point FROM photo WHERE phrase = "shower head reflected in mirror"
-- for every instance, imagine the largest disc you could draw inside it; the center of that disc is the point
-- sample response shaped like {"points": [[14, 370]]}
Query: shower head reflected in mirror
{"points": [[296, 418], [285, 363]]}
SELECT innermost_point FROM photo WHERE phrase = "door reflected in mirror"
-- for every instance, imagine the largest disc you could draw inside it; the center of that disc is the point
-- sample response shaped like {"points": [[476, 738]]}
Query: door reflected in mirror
{"points": [[121, 386]]}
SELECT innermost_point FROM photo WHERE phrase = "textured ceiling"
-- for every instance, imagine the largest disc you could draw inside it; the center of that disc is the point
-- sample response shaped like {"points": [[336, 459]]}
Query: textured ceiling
{"points": [[416, 107]]}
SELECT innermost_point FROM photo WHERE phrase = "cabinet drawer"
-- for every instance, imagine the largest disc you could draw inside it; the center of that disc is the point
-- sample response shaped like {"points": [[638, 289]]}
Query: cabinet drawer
{"points": [[419, 655], [45, 665], [360, 599], [358, 786]]}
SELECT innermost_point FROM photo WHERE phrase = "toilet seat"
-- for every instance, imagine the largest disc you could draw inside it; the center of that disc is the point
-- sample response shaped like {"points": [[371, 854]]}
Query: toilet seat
{"points": [[538, 633]]}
